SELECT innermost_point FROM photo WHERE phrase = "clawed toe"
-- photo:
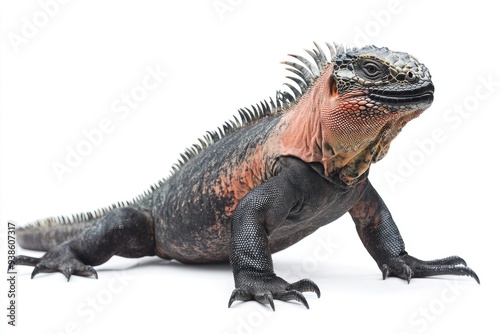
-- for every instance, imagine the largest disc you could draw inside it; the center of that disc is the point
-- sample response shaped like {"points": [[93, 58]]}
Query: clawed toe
{"points": [[89, 271], [239, 294], [35, 271], [266, 298], [59, 259], [305, 285], [266, 290], [293, 295], [23, 260], [408, 267]]}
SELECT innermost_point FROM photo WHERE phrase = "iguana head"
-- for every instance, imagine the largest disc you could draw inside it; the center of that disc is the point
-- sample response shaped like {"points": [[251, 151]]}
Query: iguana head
{"points": [[364, 97], [374, 93]]}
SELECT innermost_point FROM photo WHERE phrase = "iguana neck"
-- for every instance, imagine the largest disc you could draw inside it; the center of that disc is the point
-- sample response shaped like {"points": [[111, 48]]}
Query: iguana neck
{"points": [[306, 134]]}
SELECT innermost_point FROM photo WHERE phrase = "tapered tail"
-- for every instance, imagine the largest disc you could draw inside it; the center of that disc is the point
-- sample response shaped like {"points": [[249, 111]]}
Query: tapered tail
{"points": [[48, 233], [45, 234]]}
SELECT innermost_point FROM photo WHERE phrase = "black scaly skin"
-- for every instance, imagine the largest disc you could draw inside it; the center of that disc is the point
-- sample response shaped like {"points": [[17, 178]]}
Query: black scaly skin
{"points": [[300, 192], [126, 232], [239, 196], [381, 237]]}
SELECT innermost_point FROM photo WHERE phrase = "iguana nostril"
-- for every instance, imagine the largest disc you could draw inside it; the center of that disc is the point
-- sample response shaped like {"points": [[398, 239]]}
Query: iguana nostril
{"points": [[411, 76]]}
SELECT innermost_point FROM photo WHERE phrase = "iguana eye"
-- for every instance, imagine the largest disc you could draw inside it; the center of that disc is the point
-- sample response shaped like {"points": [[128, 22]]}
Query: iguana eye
{"points": [[371, 69]]}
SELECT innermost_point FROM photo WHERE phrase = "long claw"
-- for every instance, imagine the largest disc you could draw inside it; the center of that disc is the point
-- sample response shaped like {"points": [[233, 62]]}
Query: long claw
{"points": [[305, 285], [67, 272], [407, 267], [266, 298], [407, 273], [92, 271], [385, 271], [465, 271], [316, 289], [474, 275], [231, 299], [294, 295], [302, 299], [266, 289], [35, 272], [234, 296], [238, 294], [59, 259], [270, 301]]}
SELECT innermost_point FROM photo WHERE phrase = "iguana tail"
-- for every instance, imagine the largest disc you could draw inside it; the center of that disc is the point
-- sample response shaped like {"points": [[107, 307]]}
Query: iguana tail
{"points": [[45, 234], [74, 245]]}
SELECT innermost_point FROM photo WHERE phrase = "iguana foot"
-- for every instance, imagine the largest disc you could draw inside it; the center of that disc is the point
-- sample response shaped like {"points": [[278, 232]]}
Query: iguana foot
{"points": [[59, 259], [267, 287], [406, 267]]}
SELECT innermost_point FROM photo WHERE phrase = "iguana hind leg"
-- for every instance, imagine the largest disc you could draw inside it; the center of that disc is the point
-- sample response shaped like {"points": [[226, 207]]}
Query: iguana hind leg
{"points": [[126, 232]]}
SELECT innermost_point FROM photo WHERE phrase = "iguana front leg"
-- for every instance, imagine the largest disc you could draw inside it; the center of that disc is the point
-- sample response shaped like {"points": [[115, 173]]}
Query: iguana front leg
{"points": [[262, 208], [381, 238]]}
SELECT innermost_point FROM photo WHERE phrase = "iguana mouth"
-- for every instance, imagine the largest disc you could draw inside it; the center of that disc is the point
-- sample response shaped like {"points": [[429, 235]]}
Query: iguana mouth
{"points": [[422, 94]]}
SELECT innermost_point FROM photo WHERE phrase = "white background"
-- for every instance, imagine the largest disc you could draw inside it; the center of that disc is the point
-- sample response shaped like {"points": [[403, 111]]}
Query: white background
{"points": [[64, 79]]}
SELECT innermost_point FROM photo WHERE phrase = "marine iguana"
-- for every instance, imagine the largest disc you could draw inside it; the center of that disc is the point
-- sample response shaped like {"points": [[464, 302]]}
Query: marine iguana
{"points": [[267, 179]]}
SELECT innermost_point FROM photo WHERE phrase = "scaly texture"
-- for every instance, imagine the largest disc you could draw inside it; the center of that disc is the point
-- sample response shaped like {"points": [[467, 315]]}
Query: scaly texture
{"points": [[261, 182]]}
